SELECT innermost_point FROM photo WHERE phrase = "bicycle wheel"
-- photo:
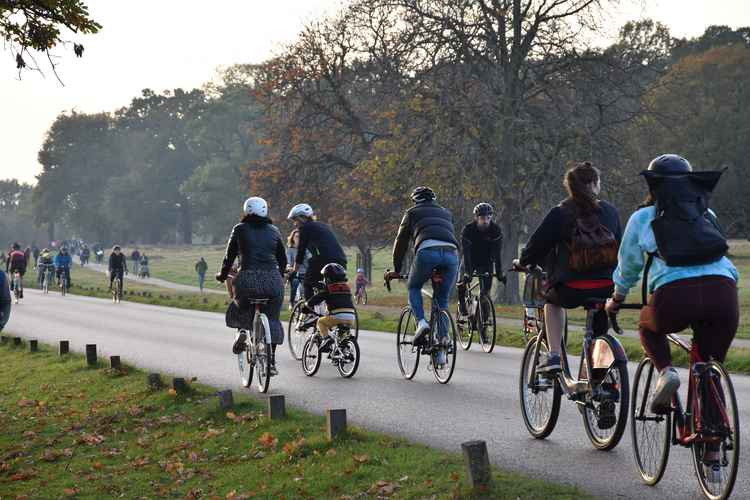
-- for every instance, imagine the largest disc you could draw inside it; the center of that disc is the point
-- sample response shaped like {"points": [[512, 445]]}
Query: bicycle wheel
{"points": [[728, 440], [45, 284], [63, 287], [444, 371], [311, 356], [364, 297], [245, 365], [465, 333], [262, 362], [650, 433], [605, 415], [540, 396], [486, 324], [349, 360], [296, 338], [406, 351], [354, 332]]}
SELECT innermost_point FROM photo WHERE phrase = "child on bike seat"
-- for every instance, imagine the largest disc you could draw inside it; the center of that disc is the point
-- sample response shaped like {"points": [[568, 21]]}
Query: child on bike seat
{"points": [[338, 298]]}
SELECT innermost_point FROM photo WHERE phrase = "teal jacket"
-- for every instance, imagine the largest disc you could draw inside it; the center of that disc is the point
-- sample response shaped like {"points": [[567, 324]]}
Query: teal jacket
{"points": [[637, 241]]}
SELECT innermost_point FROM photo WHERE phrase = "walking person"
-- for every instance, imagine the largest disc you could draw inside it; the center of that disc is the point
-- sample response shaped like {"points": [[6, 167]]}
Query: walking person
{"points": [[135, 256], [201, 267]]}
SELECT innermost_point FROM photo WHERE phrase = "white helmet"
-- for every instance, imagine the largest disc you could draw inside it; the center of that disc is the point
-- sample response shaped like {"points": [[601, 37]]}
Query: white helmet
{"points": [[300, 209], [256, 206]]}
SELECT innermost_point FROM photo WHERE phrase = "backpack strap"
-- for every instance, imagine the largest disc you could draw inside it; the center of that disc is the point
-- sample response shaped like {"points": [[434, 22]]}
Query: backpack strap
{"points": [[644, 280]]}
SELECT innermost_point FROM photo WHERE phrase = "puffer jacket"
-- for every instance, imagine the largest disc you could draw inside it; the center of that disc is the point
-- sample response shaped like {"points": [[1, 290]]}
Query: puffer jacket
{"points": [[424, 221], [259, 245]]}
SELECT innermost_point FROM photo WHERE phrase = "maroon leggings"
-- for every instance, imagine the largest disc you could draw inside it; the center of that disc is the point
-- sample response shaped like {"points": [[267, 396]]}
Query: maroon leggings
{"points": [[707, 304]]}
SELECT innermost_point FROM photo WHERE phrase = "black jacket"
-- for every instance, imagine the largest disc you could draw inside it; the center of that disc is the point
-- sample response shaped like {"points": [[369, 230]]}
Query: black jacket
{"points": [[5, 300], [482, 249], [319, 240], [548, 246], [259, 245], [118, 261], [337, 296], [423, 221]]}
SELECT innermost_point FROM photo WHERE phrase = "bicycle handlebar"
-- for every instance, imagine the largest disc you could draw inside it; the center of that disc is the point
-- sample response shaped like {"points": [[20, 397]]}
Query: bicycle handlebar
{"points": [[613, 317], [387, 279]]}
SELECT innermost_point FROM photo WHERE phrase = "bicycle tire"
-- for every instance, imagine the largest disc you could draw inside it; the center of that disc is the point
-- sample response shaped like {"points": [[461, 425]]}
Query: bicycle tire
{"points": [[245, 366], [311, 356], [697, 449], [489, 338], [651, 462], [349, 345], [621, 411], [296, 339], [444, 375], [404, 345], [546, 425], [465, 333], [262, 355]]}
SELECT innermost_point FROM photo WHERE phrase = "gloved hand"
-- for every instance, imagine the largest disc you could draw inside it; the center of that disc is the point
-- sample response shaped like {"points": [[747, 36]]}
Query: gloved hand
{"points": [[221, 277], [502, 278], [466, 279], [306, 309]]}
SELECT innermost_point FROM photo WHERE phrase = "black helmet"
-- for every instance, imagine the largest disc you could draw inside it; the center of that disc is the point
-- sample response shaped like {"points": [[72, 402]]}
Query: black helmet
{"points": [[483, 209], [670, 164], [16, 246], [333, 273], [422, 193]]}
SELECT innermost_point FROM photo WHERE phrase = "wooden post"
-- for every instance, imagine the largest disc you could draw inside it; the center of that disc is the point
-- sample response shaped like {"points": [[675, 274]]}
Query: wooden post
{"points": [[3, 339], [16, 341], [179, 384], [477, 463], [33, 345], [91, 354], [335, 423], [154, 381], [114, 362], [64, 347], [226, 400], [276, 406]]}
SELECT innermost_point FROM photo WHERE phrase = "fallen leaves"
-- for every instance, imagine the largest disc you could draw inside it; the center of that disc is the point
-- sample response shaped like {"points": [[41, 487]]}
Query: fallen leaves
{"points": [[71, 492], [213, 433], [50, 455], [25, 403], [361, 459], [383, 488], [295, 448], [23, 475], [91, 439], [268, 440], [238, 419]]}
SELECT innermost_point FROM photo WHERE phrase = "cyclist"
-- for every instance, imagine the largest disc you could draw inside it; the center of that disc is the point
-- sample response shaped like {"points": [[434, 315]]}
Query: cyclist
{"points": [[44, 264], [319, 240], [703, 296], [291, 255], [482, 242], [258, 244], [430, 227], [5, 300], [63, 261], [16, 261], [552, 247], [360, 281], [338, 298], [118, 266]]}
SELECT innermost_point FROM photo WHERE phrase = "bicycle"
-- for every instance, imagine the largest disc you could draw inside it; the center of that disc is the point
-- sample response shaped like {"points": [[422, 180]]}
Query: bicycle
{"points": [[47, 277], [481, 318], [361, 295], [64, 285], [117, 288], [709, 422], [256, 356], [602, 397], [344, 353], [17, 286], [298, 331], [405, 347]]}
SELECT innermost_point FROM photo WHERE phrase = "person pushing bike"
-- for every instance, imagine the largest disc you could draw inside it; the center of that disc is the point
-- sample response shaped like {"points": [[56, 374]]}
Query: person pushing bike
{"points": [[482, 245]]}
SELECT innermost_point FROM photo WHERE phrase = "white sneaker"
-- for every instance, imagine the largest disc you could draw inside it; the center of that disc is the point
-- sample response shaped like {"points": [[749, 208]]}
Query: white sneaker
{"points": [[666, 385], [422, 328]]}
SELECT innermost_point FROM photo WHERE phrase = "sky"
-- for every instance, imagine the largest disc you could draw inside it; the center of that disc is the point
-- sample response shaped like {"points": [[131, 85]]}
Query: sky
{"points": [[167, 44]]}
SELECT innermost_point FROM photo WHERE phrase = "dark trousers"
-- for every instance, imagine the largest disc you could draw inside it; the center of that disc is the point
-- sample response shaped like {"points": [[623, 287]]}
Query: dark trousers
{"points": [[708, 305]]}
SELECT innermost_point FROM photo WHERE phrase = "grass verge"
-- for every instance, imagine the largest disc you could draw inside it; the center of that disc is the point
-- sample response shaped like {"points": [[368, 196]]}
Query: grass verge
{"points": [[71, 431]]}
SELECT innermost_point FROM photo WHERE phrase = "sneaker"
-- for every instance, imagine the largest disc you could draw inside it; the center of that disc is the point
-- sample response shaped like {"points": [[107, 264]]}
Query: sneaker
{"points": [[239, 343], [548, 362], [273, 372], [422, 329], [666, 385], [713, 474], [325, 344]]}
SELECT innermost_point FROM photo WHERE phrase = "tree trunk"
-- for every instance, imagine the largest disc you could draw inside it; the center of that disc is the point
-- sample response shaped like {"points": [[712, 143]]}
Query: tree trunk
{"points": [[187, 224], [51, 231], [511, 227], [364, 259]]}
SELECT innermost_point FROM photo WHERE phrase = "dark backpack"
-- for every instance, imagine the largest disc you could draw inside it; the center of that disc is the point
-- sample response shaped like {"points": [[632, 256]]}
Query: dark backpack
{"points": [[686, 231], [592, 245]]}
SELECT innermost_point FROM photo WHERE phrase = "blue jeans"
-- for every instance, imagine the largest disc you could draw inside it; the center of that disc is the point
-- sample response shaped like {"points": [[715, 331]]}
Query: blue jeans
{"points": [[421, 271], [201, 280]]}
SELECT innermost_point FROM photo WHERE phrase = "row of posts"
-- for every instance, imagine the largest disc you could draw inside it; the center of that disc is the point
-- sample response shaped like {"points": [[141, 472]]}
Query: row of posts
{"points": [[475, 453]]}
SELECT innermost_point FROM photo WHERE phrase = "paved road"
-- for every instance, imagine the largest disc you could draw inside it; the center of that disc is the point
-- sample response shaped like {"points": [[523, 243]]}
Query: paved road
{"points": [[481, 401], [160, 282]]}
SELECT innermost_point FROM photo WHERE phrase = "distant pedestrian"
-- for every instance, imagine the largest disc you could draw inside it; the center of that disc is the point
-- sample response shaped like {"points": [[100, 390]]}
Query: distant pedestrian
{"points": [[135, 256], [201, 267]]}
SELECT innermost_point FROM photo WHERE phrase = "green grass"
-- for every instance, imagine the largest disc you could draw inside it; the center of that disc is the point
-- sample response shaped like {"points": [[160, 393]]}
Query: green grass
{"points": [[72, 431]]}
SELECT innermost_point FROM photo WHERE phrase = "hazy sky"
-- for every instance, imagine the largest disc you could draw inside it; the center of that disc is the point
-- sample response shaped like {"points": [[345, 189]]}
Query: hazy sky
{"points": [[167, 44]]}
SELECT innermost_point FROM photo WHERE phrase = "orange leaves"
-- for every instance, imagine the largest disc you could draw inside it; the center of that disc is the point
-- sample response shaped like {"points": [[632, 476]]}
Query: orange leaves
{"points": [[268, 440], [211, 433], [91, 439], [383, 488], [295, 448], [23, 475], [50, 455], [26, 403], [238, 419]]}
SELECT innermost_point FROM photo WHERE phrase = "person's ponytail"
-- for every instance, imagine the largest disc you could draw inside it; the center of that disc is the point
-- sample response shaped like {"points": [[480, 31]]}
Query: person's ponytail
{"points": [[579, 182]]}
